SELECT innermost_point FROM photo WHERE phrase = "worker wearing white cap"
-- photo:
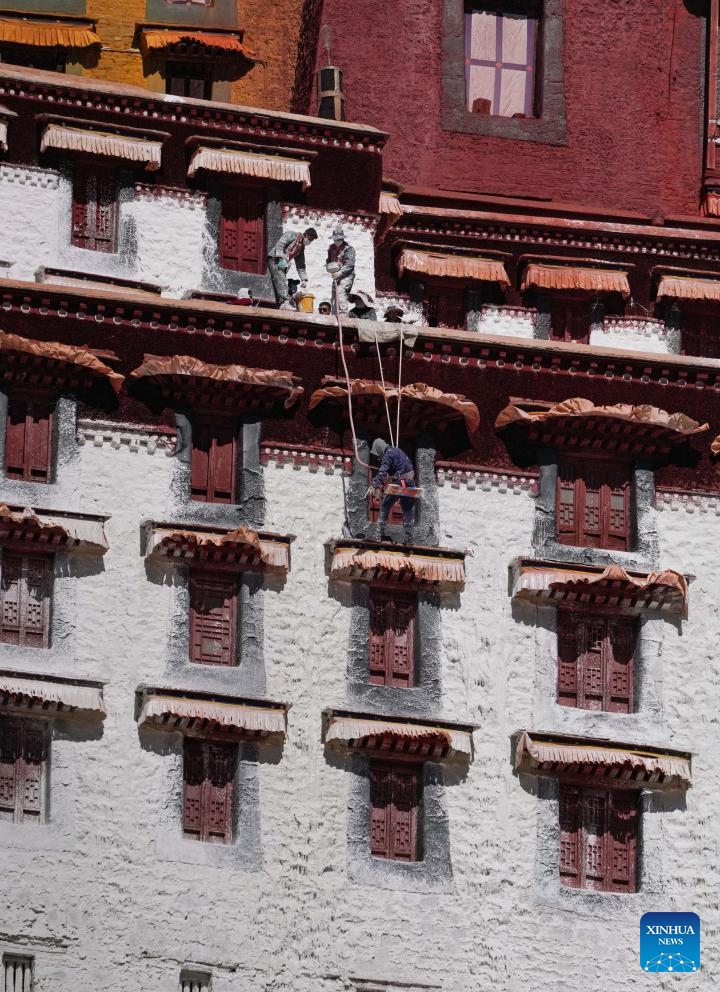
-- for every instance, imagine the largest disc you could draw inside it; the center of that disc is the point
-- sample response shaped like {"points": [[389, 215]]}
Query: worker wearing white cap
{"points": [[341, 266]]}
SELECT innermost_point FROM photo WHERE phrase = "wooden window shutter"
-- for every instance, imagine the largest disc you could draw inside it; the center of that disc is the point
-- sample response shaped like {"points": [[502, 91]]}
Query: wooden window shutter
{"points": [[380, 802], [33, 760], [28, 438], [591, 484], [404, 813], [616, 507], [568, 640], [592, 662], [595, 661], [9, 754], [194, 775], [622, 637], [94, 208], [218, 807], [566, 512], [23, 759], [25, 595], [594, 820], [392, 623], [213, 616], [570, 836], [214, 459], [208, 778], [379, 608], [242, 231], [598, 838], [622, 842], [394, 802], [593, 504]]}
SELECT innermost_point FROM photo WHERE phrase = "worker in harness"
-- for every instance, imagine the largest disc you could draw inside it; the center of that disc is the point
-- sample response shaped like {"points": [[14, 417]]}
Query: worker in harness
{"points": [[395, 467]]}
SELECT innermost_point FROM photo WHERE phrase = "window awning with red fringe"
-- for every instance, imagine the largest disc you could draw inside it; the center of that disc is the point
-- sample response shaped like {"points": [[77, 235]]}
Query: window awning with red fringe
{"points": [[106, 144], [602, 762], [281, 168], [241, 549], [369, 561], [182, 379], [228, 43], [52, 365], [206, 715], [711, 203], [569, 277], [579, 426], [47, 33], [594, 586], [450, 416], [389, 735], [45, 694], [46, 530], [688, 288], [439, 264], [390, 204]]}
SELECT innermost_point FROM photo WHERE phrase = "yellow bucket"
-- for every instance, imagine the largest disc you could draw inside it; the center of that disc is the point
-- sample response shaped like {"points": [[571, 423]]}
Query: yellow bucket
{"points": [[305, 302]]}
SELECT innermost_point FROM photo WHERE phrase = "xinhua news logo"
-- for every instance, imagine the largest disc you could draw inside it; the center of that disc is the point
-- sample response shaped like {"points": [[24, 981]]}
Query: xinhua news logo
{"points": [[670, 942]]}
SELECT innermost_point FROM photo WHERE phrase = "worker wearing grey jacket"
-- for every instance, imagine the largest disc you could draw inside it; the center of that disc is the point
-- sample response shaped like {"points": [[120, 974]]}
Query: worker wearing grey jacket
{"points": [[289, 248], [341, 266]]}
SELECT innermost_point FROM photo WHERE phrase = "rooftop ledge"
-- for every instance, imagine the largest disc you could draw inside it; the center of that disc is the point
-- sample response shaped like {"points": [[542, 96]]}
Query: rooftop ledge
{"points": [[298, 325], [409, 566], [11, 75]]}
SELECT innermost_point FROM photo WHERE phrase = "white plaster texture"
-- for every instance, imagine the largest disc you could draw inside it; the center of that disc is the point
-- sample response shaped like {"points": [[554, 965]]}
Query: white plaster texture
{"points": [[30, 229], [636, 334], [508, 322], [110, 908], [358, 232]]}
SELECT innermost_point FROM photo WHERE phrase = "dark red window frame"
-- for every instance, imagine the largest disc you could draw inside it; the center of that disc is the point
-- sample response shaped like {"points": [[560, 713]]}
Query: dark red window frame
{"points": [[23, 764], [392, 635], [34, 57], [395, 791], [699, 333], [242, 229], [215, 452], [570, 318], [595, 661], [208, 785], [29, 437], [445, 303], [598, 838], [192, 78], [213, 617], [26, 582], [593, 503], [94, 207]]}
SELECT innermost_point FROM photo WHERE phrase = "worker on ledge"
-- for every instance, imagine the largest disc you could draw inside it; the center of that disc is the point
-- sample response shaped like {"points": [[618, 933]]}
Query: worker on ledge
{"points": [[395, 467]]}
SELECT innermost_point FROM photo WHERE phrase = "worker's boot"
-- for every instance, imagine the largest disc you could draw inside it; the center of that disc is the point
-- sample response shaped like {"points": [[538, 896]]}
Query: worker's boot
{"points": [[383, 533], [409, 535]]}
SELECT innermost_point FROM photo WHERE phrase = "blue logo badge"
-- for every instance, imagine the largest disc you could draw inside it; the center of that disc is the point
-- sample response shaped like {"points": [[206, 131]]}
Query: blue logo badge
{"points": [[670, 942]]}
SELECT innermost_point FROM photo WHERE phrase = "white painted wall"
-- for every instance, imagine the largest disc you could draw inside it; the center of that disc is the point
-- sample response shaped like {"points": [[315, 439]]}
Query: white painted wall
{"points": [[636, 334], [101, 905]]}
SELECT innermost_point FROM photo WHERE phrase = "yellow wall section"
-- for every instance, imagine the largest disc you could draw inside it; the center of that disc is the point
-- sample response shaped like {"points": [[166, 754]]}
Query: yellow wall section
{"points": [[273, 36]]}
